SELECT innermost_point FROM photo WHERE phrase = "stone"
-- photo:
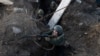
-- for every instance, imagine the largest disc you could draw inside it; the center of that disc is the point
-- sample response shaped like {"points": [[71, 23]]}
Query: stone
{"points": [[16, 30]]}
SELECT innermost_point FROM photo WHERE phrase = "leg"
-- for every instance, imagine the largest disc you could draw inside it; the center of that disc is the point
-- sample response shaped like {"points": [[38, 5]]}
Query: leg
{"points": [[60, 50]]}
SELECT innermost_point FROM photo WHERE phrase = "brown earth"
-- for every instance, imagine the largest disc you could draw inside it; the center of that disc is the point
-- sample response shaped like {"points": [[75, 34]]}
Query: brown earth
{"points": [[80, 23]]}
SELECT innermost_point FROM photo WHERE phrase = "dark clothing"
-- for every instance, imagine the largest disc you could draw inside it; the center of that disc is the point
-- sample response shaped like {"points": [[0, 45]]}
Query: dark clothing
{"points": [[59, 50], [45, 5], [98, 2], [56, 37], [58, 41]]}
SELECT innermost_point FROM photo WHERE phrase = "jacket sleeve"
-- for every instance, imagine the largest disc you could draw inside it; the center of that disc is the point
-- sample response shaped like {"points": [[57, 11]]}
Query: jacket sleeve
{"points": [[58, 41]]}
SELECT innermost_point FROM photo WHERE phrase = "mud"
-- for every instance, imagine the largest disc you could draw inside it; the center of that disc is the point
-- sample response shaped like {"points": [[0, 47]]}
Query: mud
{"points": [[81, 24]]}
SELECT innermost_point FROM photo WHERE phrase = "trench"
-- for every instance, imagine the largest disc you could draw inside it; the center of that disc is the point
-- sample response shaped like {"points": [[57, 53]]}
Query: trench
{"points": [[25, 46], [82, 33], [45, 6]]}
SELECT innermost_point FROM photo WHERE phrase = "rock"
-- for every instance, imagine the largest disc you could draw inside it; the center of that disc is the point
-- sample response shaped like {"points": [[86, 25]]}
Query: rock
{"points": [[79, 1], [85, 33], [6, 2], [80, 24], [16, 30], [16, 9]]}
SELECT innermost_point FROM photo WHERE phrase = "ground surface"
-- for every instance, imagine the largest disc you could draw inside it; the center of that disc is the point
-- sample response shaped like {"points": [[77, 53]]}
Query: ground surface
{"points": [[81, 23]]}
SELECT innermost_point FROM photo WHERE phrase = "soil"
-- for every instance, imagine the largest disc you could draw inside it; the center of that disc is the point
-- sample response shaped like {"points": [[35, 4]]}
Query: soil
{"points": [[81, 24]]}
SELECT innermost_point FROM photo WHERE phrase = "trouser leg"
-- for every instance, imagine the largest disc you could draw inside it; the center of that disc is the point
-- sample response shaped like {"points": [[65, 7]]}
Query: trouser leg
{"points": [[60, 50]]}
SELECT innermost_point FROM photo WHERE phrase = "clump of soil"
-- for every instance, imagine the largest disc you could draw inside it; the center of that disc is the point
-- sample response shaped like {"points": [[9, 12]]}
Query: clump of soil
{"points": [[81, 26], [80, 23]]}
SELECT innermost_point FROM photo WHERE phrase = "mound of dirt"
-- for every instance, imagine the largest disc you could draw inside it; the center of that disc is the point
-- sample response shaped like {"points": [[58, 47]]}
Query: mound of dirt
{"points": [[13, 27], [81, 26], [80, 23]]}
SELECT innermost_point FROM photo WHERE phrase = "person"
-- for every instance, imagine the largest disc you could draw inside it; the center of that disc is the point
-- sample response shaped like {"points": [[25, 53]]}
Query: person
{"points": [[56, 37], [40, 13], [53, 6]]}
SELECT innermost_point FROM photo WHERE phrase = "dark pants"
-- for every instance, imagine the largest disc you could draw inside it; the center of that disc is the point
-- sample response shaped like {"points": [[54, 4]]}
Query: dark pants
{"points": [[98, 2], [64, 50], [59, 50]]}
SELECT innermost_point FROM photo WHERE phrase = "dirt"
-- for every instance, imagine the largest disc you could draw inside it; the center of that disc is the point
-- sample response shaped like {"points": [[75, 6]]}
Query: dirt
{"points": [[81, 27], [81, 24]]}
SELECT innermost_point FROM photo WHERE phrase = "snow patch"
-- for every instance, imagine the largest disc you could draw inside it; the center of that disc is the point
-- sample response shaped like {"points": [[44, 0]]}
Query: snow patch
{"points": [[16, 30]]}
